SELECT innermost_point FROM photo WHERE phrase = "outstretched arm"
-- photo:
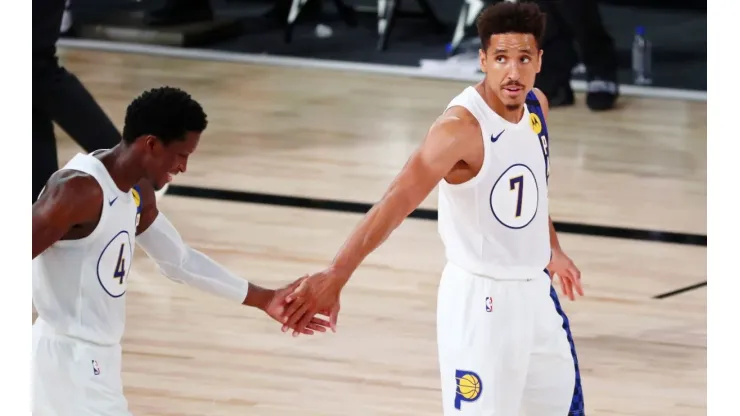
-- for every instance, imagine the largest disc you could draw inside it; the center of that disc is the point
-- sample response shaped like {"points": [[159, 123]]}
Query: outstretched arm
{"points": [[450, 140], [181, 263], [446, 144]]}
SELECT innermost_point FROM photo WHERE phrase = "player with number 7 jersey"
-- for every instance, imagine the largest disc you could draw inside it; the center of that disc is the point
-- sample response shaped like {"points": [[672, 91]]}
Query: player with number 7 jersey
{"points": [[503, 341]]}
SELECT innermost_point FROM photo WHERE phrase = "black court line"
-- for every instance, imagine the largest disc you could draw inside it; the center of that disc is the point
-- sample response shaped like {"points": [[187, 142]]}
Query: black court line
{"points": [[679, 291], [427, 214]]}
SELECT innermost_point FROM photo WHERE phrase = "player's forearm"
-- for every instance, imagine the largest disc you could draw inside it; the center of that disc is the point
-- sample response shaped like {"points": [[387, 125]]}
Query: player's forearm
{"points": [[202, 272], [375, 228], [554, 242], [182, 263]]}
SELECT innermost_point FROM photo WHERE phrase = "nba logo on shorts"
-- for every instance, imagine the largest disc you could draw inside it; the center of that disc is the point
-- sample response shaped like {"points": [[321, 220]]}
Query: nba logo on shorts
{"points": [[469, 387], [489, 304], [96, 369]]}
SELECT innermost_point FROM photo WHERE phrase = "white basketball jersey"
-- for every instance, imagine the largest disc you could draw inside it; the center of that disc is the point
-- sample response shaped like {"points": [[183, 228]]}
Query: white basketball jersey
{"points": [[79, 286], [496, 224]]}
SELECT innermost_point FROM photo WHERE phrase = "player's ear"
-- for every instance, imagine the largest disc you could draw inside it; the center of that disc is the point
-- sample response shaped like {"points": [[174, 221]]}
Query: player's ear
{"points": [[151, 143], [482, 58], [539, 60]]}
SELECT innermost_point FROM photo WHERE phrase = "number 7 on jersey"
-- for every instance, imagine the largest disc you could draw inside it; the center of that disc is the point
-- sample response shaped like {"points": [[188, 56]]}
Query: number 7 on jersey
{"points": [[517, 183]]}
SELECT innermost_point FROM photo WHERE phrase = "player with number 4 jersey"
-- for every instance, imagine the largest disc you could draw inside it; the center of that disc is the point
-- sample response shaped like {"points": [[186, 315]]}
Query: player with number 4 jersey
{"points": [[85, 223]]}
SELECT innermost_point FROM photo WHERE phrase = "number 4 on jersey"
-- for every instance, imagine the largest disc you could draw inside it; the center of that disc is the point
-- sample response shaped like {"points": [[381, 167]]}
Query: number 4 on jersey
{"points": [[120, 272]]}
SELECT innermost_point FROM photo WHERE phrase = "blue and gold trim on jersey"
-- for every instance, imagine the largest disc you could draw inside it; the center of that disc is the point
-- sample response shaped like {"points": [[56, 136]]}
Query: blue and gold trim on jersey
{"points": [[468, 387], [539, 127], [136, 194]]}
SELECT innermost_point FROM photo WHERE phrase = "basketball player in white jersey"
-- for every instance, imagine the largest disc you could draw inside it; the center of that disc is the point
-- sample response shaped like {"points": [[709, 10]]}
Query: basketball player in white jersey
{"points": [[85, 223], [503, 343]]}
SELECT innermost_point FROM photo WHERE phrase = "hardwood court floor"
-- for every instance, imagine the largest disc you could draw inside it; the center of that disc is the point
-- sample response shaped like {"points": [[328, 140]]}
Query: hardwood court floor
{"points": [[321, 134], [343, 136]]}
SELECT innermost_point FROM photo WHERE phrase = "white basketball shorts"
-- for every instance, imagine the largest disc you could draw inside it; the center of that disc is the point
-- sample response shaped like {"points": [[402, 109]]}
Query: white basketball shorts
{"points": [[74, 378], [502, 347]]}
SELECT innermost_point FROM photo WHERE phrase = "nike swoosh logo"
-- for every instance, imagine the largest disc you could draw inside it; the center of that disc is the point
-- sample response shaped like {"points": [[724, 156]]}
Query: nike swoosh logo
{"points": [[110, 203], [494, 138]]}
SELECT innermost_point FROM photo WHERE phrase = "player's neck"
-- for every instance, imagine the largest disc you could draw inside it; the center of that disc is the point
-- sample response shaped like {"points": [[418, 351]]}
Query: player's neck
{"points": [[123, 167], [512, 115]]}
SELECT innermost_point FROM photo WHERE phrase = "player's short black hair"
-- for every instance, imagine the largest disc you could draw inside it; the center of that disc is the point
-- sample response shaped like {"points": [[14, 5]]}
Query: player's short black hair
{"points": [[166, 112], [520, 17]]}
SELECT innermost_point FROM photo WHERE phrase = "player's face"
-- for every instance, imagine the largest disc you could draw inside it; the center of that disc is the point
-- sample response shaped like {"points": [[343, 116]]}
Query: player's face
{"points": [[511, 64], [166, 161]]}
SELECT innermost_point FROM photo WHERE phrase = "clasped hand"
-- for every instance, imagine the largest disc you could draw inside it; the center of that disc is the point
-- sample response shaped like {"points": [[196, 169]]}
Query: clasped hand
{"points": [[315, 294]]}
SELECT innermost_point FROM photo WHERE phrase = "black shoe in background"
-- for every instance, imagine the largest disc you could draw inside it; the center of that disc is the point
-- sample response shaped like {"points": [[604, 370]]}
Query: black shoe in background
{"points": [[560, 96], [602, 94]]}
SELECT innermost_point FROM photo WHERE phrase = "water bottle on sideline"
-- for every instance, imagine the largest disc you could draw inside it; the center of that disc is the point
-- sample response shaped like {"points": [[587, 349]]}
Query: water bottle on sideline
{"points": [[642, 58]]}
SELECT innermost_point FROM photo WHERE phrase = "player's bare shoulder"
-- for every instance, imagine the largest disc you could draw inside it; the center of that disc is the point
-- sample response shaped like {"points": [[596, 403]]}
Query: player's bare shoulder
{"points": [[68, 208], [462, 133], [71, 195], [459, 122]]}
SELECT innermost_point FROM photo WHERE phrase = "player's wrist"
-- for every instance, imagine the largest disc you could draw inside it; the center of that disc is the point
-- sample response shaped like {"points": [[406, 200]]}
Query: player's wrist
{"points": [[258, 297], [341, 272]]}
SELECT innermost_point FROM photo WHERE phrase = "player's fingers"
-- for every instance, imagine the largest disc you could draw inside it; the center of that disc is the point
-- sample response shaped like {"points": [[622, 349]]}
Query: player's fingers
{"points": [[293, 313], [577, 282], [572, 285], [566, 285], [307, 331], [562, 284], [316, 327], [298, 315], [305, 320], [292, 308], [333, 317], [296, 327], [298, 291], [293, 286], [321, 322]]}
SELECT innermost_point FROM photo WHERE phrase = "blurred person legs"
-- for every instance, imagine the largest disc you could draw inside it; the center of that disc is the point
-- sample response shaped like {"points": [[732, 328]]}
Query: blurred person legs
{"points": [[67, 26], [579, 21], [58, 96]]}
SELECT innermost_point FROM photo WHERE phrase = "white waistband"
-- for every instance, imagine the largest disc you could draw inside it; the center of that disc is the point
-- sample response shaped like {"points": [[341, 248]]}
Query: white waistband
{"points": [[535, 275], [45, 329]]}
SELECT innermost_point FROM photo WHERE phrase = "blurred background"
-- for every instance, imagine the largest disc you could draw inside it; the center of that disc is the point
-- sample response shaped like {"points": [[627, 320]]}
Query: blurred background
{"points": [[404, 32]]}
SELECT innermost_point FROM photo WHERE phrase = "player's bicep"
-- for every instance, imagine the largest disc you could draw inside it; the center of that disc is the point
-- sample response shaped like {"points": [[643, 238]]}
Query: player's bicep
{"points": [[70, 198], [442, 149]]}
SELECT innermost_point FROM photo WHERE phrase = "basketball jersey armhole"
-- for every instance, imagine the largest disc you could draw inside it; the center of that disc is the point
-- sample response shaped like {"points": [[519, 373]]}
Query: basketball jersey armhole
{"points": [[103, 212], [543, 136], [468, 103]]}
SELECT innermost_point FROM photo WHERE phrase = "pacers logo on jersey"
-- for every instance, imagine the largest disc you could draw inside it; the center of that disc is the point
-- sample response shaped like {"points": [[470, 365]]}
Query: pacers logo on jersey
{"points": [[137, 201], [469, 387], [535, 122], [114, 264]]}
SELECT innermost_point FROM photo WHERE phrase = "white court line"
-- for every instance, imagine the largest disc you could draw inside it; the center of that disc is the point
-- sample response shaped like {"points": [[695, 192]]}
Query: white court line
{"points": [[397, 70]]}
